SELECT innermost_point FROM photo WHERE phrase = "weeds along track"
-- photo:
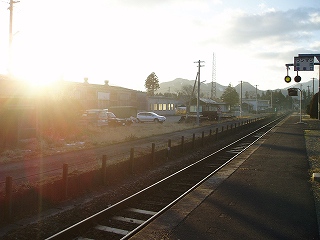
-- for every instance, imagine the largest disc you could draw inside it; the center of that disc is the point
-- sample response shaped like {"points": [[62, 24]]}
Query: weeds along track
{"points": [[125, 218], [82, 174]]}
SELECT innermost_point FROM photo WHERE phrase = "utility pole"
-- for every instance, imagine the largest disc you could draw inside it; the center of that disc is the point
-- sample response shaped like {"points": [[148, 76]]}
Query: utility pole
{"points": [[240, 99], [10, 36], [198, 97], [256, 99], [300, 103], [312, 86], [319, 94], [214, 80]]}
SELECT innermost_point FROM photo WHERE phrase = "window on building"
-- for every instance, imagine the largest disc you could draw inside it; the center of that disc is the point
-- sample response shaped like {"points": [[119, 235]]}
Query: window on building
{"points": [[164, 106], [155, 106]]}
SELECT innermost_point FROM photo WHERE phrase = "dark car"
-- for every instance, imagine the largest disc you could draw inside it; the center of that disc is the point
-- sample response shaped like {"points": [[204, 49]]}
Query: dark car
{"points": [[102, 118], [114, 121]]}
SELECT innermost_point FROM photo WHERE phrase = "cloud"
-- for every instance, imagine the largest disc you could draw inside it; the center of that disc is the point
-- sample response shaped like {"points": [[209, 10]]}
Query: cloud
{"points": [[291, 25]]}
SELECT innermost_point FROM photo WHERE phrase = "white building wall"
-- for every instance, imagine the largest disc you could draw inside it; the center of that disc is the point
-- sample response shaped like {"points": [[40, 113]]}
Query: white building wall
{"points": [[162, 105], [257, 105]]}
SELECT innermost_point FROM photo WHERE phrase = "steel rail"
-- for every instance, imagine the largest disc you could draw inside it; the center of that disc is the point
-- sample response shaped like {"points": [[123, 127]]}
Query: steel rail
{"points": [[133, 232], [91, 221]]}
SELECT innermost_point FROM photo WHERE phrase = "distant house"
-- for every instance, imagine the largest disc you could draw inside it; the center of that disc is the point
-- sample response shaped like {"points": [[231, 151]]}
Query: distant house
{"points": [[208, 105], [162, 105], [255, 105]]}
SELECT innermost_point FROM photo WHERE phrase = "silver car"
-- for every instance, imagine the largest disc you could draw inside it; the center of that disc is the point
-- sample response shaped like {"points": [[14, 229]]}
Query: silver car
{"points": [[150, 117]]}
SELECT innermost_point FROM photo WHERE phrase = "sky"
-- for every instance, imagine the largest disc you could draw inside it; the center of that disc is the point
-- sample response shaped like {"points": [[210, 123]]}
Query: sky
{"points": [[123, 41]]}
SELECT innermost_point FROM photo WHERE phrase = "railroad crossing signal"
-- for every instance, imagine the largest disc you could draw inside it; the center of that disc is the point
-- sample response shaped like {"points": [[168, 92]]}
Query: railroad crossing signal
{"points": [[287, 79], [297, 78], [304, 62]]}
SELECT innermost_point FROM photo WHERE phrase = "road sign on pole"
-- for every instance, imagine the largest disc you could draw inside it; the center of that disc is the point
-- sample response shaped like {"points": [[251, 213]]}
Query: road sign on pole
{"points": [[304, 63]]}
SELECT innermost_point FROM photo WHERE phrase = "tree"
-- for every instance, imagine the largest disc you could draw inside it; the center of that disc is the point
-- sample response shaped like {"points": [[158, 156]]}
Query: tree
{"points": [[152, 84], [230, 96], [314, 106], [187, 90]]}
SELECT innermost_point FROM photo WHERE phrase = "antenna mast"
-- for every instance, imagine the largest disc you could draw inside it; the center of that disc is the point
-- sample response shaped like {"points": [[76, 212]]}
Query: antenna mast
{"points": [[214, 83]]}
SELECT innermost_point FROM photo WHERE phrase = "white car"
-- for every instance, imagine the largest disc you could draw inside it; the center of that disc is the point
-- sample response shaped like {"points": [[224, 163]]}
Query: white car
{"points": [[150, 117]]}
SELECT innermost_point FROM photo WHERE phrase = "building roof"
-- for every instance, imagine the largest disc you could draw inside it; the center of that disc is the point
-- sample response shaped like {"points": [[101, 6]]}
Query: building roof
{"points": [[207, 100]]}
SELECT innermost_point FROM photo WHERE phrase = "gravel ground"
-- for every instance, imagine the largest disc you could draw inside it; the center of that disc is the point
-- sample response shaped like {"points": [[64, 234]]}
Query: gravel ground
{"points": [[67, 213], [312, 137], [75, 210]]}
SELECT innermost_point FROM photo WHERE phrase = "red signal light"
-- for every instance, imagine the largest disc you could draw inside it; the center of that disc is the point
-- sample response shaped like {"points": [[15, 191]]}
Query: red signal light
{"points": [[297, 78]]}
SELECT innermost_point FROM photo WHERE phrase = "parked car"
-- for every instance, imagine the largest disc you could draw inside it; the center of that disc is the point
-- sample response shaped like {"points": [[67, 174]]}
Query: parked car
{"points": [[114, 121], [102, 118], [150, 117]]}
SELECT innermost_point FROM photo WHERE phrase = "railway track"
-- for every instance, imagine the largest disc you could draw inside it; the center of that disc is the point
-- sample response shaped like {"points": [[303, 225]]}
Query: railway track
{"points": [[125, 218]]}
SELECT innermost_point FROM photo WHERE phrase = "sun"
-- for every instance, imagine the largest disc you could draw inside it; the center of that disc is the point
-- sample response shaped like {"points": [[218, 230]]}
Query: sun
{"points": [[38, 75]]}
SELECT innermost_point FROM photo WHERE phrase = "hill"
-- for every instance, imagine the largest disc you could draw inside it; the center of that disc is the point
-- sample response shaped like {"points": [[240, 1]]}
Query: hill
{"points": [[175, 86]]}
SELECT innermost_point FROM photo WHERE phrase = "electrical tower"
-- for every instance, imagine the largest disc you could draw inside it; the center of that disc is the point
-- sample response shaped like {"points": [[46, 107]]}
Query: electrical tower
{"points": [[214, 83]]}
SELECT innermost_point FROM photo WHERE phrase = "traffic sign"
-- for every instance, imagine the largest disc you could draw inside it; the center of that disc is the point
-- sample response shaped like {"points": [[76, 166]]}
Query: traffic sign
{"points": [[293, 92], [303, 63]]}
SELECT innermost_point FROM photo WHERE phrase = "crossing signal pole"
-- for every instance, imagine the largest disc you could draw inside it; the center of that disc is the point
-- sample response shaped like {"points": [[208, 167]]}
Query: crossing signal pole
{"points": [[304, 62]]}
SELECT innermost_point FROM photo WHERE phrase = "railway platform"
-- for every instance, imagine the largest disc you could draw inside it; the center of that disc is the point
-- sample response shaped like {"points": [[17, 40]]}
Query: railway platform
{"points": [[264, 194]]}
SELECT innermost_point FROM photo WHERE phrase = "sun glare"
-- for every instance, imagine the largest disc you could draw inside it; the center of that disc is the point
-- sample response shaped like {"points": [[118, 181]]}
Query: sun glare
{"points": [[37, 76]]}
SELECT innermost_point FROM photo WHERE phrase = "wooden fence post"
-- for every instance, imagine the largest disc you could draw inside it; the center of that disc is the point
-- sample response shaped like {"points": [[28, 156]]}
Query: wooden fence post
{"points": [[193, 140], [65, 180], [131, 160], [104, 169], [8, 200], [202, 139], [182, 144], [168, 149], [153, 148], [217, 132]]}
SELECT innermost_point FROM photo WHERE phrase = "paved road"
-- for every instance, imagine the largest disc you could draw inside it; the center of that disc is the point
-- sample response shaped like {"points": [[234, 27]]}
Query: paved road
{"points": [[50, 166]]}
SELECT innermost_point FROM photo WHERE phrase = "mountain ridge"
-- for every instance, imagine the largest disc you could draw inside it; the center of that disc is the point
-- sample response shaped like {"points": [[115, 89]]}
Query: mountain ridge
{"points": [[175, 86]]}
